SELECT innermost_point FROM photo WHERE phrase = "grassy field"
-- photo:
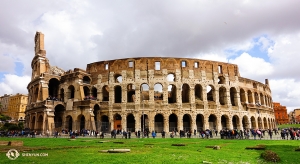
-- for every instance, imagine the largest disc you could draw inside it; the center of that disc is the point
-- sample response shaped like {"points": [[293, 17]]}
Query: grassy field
{"points": [[147, 150], [289, 126]]}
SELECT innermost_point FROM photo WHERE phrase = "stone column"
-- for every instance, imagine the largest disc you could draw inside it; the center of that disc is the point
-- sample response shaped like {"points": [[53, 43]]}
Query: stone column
{"points": [[124, 121], [166, 124]]}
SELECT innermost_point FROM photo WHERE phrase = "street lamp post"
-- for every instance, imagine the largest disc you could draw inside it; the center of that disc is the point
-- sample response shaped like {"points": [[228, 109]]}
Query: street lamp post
{"points": [[143, 112]]}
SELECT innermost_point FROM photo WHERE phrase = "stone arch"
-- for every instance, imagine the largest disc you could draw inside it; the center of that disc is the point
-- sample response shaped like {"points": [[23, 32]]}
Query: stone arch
{"points": [[158, 92], [62, 94], [250, 97], [40, 123], [212, 120], [81, 120], [32, 123], [144, 122], [71, 92], [222, 96], [94, 93], [144, 92], [130, 121], [173, 120], [53, 87], [253, 123], [96, 112], [233, 96], [245, 122], [172, 93], [221, 80], [118, 94], [69, 123], [105, 93], [117, 121], [59, 111], [159, 122], [130, 93], [171, 77], [265, 123], [185, 93], [187, 121], [210, 91], [198, 92], [36, 94], [86, 80], [262, 99], [256, 97], [225, 122], [104, 124], [242, 95], [86, 91], [235, 122], [200, 122], [259, 121], [118, 78]]}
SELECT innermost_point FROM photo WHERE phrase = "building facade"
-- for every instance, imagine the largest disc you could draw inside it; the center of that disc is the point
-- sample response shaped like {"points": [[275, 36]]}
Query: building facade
{"points": [[17, 106], [4, 103], [147, 93], [281, 115]]}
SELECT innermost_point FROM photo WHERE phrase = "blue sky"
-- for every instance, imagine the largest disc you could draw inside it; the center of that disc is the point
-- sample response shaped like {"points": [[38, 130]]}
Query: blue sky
{"points": [[264, 43]]}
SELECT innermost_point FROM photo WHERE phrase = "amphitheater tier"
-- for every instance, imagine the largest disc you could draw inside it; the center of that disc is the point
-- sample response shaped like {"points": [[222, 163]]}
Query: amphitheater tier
{"points": [[146, 93]]}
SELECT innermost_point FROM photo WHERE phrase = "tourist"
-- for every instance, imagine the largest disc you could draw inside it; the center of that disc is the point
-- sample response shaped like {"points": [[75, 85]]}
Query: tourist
{"points": [[153, 134]]}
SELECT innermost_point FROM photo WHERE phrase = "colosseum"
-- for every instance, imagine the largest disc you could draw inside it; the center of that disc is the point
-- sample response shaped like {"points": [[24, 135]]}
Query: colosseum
{"points": [[154, 93]]}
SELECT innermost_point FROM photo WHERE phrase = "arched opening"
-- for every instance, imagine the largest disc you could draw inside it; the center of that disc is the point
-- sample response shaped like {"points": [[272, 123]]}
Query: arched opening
{"points": [[86, 80], [118, 78], [159, 123], [259, 120], [32, 123], [171, 77], [245, 123], [86, 91], [105, 93], [130, 123], [212, 120], [173, 123], [253, 123], [53, 87], [210, 92], [250, 97], [158, 92], [198, 92], [242, 96], [94, 93], [265, 123], [105, 124], [62, 94], [69, 121], [81, 118], [233, 96], [199, 122], [58, 115], [221, 80], [40, 124], [144, 123], [186, 122], [235, 122], [117, 122], [71, 92], [97, 116], [130, 93], [222, 96], [172, 93], [225, 122], [262, 99], [118, 94], [144, 92], [185, 93]]}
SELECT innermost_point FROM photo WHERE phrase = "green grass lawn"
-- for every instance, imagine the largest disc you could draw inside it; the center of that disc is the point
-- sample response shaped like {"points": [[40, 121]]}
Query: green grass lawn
{"points": [[148, 150], [289, 126]]}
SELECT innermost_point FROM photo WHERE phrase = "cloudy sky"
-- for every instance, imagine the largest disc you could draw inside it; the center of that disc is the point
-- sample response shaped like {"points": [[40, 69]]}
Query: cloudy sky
{"points": [[262, 37]]}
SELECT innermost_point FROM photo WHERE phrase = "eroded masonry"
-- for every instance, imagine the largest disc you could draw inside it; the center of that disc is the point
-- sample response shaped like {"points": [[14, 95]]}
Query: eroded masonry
{"points": [[151, 93]]}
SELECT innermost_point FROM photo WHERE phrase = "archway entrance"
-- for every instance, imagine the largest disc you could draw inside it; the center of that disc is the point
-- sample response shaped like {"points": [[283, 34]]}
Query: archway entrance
{"points": [[144, 123], [212, 120], [224, 122], [173, 123], [159, 123], [130, 123], [117, 122], [186, 122], [199, 122]]}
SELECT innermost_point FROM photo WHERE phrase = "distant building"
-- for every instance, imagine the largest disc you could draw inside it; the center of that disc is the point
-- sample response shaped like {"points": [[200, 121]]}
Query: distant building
{"points": [[16, 107], [281, 116], [4, 103]]}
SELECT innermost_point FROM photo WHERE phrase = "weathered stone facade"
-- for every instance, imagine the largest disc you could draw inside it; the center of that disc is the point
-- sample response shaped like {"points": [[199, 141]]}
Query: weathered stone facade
{"points": [[145, 93], [280, 112]]}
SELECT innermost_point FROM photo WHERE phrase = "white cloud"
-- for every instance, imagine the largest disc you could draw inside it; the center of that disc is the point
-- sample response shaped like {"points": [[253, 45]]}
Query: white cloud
{"points": [[253, 67], [12, 84]]}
